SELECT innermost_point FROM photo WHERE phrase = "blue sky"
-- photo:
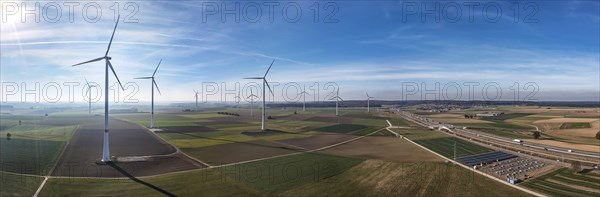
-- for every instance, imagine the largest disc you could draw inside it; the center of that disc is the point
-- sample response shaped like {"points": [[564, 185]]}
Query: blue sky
{"points": [[366, 47]]}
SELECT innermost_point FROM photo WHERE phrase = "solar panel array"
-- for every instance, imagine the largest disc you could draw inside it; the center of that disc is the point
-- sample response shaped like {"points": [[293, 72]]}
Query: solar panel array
{"points": [[485, 158]]}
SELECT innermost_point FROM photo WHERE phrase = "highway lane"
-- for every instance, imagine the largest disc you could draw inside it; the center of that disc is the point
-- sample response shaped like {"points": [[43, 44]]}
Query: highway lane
{"points": [[434, 124]]}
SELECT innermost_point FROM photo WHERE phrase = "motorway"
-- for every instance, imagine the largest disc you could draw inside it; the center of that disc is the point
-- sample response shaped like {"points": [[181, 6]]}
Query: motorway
{"points": [[587, 157]]}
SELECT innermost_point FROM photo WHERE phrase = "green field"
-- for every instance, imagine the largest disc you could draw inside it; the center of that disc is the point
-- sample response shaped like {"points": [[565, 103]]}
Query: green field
{"points": [[381, 178], [565, 182], [33, 149], [575, 125], [18, 185], [260, 178], [280, 174], [445, 147]]}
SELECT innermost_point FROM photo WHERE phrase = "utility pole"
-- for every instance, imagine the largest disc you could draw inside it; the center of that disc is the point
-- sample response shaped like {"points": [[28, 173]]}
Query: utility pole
{"points": [[454, 149]]}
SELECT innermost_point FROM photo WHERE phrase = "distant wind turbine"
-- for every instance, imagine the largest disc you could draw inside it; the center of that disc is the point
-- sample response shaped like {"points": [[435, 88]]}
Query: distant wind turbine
{"points": [[304, 93], [251, 97], [237, 98], [265, 83], [196, 96], [152, 85], [368, 101], [89, 92], [337, 99], [106, 58]]}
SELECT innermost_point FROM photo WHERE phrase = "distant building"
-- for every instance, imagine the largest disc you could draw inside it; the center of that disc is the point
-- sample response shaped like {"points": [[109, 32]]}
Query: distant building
{"points": [[486, 114]]}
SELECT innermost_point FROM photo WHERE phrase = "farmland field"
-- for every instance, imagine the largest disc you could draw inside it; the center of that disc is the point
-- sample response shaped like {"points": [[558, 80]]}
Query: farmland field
{"points": [[18, 185], [380, 178], [259, 178], [565, 182], [445, 147], [575, 125]]}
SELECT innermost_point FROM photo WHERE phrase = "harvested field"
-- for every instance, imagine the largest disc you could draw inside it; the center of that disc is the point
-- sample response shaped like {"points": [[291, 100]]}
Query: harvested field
{"points": [[341, 128], [383, 148], [584, 147], [563, 120], [381, 178], [330, 119], [318, 141], [239, 151], [186, 129], [126, 139]]}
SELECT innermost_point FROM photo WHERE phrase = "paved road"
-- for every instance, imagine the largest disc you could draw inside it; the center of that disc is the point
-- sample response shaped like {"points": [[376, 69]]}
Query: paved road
{"points": [[546, 149]]}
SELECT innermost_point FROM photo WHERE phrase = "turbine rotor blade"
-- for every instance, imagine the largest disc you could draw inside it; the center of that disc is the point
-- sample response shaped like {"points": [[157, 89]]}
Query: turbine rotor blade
{"points": [[156, 85], [143, 78], [94, 60], [254, 78], [269, 68], [156, 67], [113, 71], [113, 35], [269, 87]]}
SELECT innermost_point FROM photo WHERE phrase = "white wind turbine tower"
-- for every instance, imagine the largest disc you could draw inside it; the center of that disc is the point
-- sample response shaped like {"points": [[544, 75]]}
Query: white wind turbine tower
{"points": [[106, 58], [196, 96], [89, 92], [337, 99], [251, 97], [368, 101], [237, 99], [265, 83], [152, 87], [304, 93]]}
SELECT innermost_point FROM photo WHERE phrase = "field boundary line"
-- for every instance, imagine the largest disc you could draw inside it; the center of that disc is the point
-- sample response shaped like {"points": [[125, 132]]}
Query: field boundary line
{"points": [[478, 172], [37, 192]]}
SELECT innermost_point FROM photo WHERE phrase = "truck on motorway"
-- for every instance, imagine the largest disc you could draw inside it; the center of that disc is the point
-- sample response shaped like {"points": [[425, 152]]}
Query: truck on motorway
{"points": [[518, 140]]}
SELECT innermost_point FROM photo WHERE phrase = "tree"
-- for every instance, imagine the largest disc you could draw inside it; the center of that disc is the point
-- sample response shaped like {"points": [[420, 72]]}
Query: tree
{"points": [[598, 135], [576, 166], [537, 134], [8, 135]]}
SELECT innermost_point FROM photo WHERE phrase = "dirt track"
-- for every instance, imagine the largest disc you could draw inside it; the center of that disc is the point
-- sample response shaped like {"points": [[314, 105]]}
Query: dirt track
{"points": [[126, 139]]}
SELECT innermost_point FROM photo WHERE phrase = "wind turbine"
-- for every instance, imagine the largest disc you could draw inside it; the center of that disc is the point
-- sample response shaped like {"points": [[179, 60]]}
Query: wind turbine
{"points": [[304, 93], [152, 87], [237, 99], [89, 92], [106, 58], [251, 97], [368, 101], [337, 99], [196, 96], [265, 83]]}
